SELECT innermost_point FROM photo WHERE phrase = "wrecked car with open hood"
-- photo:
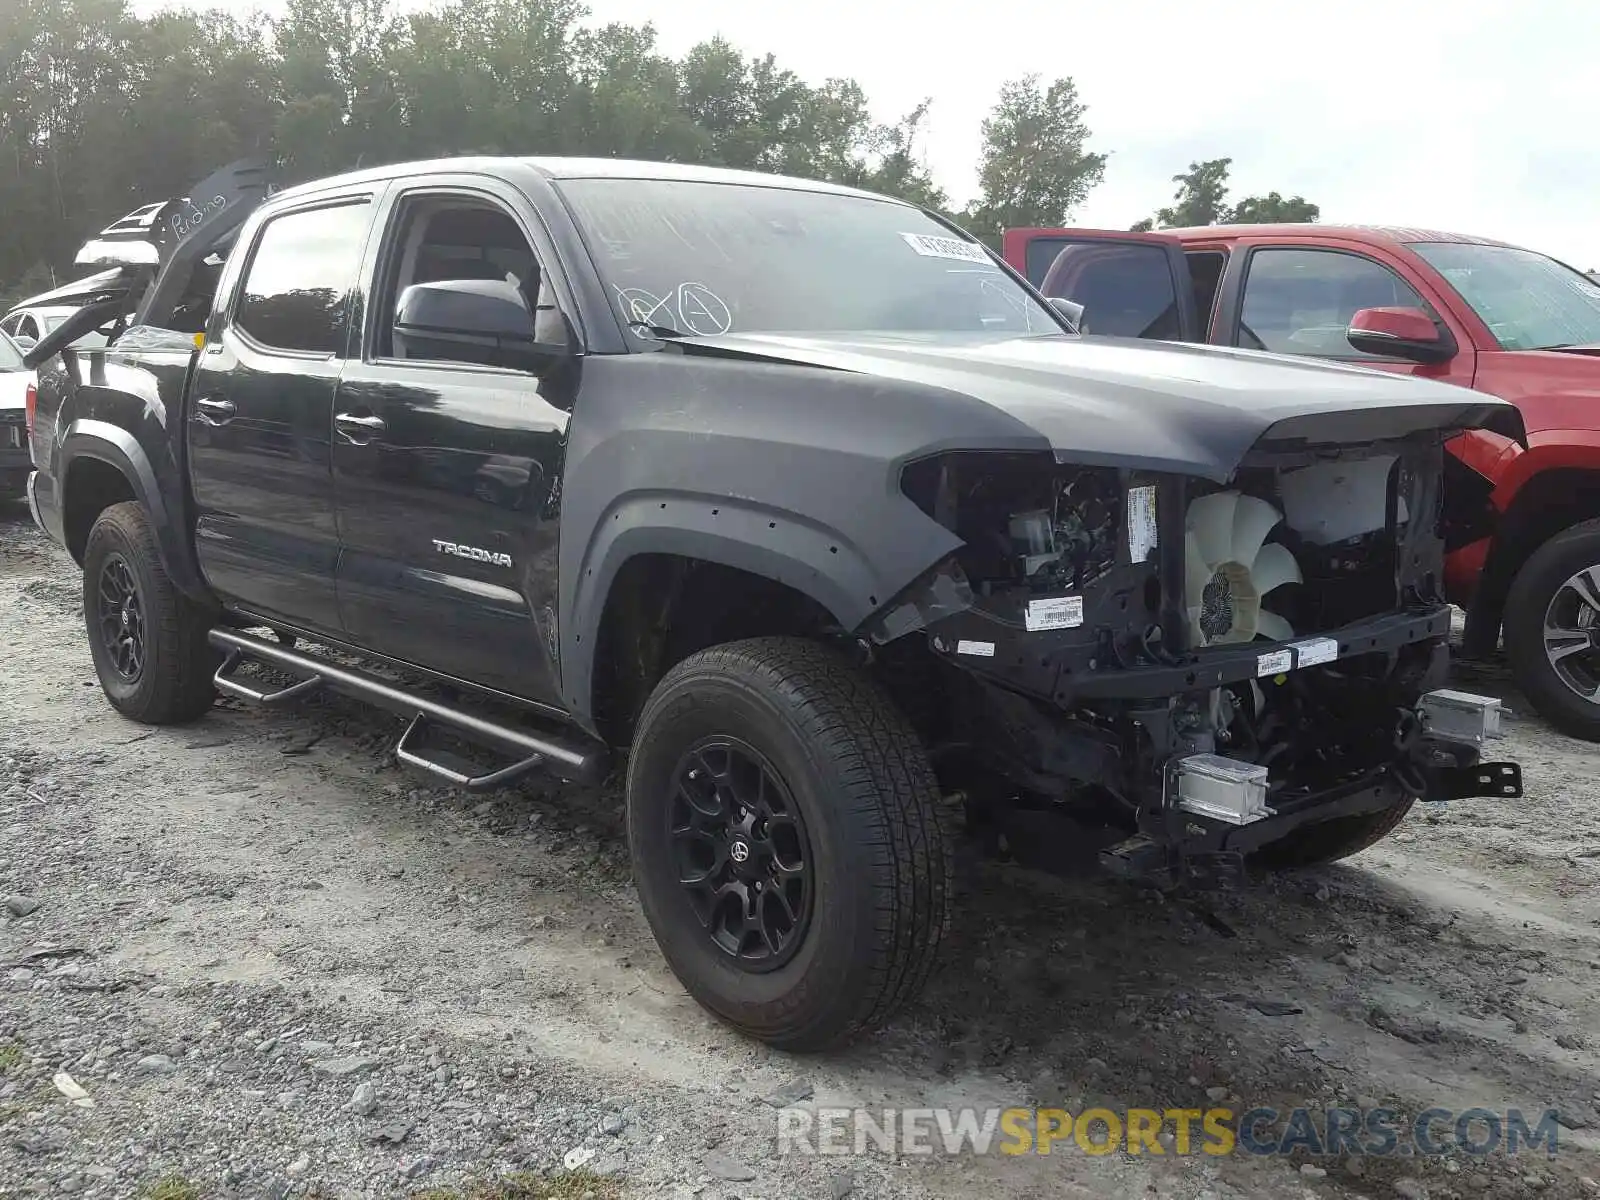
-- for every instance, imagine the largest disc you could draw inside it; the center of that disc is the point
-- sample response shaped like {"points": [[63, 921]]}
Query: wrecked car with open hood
{"points": [[797, 506]]}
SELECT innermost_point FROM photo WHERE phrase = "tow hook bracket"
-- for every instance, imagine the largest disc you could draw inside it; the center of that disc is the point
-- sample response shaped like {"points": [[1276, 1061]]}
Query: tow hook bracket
{"points": [[1462, 717], [1223, 789], [1503, 779]]}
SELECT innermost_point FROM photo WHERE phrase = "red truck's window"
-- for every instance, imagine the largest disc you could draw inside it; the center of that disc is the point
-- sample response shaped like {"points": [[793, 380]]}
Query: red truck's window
{"points": [[1301, 301], [1126, 288], [1528, 301]]}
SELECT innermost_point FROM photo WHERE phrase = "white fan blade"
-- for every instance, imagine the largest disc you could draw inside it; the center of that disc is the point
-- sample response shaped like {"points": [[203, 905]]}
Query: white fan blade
{"points": [[1252, 521], [1243, 628], [1273, 567], [1210, 519], [1271, 625], [1196, 573], [1195, 636]]}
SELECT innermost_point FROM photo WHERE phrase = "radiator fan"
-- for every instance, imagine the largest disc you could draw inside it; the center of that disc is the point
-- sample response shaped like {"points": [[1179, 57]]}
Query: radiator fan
{"points": [[1231, 567]]}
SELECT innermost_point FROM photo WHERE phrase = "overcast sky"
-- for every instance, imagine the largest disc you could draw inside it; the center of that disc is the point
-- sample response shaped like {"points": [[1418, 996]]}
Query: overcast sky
{"points": [[1468, 115]]}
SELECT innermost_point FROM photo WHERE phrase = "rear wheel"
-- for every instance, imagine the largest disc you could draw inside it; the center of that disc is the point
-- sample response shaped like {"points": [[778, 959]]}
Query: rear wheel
{"points": [[1329, 841], [787, 841], [1552, 628], [147, 638]]}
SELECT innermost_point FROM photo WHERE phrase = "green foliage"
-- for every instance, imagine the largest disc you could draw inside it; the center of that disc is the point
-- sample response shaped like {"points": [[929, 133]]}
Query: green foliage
{"points": [[1202, 199], [1035, 168], [10, 1057], [102, 110], [1273, 209]]}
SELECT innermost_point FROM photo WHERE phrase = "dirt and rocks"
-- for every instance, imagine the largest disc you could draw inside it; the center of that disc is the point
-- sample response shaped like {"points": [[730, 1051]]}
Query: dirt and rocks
{"points": [[254, 958]]}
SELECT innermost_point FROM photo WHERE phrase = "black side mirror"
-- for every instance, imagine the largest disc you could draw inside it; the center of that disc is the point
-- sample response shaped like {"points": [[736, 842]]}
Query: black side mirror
{"points": [[91, 316], [477, 320]]}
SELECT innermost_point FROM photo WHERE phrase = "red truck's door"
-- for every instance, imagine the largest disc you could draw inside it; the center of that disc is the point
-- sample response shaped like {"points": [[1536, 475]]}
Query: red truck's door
{"points": [[1297, 295], [1129, 284]]}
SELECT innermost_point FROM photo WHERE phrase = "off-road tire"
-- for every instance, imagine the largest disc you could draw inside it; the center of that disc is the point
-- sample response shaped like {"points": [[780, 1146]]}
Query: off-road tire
{"points": [[1550, 566], [882, 855], [174, 685], [1329, 841]]}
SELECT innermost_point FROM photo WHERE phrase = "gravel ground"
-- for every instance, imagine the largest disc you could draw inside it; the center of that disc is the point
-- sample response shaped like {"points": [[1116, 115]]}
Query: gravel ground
{"points": [[279, 966]]}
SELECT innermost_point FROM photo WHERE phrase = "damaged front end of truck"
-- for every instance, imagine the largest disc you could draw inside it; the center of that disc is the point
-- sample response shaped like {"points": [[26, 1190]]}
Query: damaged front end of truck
{"points": [[1192, 674]]}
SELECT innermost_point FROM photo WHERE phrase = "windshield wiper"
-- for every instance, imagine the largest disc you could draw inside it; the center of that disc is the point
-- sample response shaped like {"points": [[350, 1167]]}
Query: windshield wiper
{"points": [[656, 331]]}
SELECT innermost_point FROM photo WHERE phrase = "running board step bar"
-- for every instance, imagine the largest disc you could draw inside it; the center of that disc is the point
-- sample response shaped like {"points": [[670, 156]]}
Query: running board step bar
{"points": [[579, 761], [230, 686]]}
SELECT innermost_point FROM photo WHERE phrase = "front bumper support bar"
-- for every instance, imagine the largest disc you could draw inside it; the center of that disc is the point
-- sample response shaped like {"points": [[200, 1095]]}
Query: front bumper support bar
{"points": [[1226, 809]]}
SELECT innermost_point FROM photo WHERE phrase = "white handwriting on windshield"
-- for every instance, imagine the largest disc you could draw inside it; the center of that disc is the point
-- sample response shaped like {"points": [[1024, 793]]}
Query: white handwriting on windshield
{"points": [[690, 308], [701, 311]]}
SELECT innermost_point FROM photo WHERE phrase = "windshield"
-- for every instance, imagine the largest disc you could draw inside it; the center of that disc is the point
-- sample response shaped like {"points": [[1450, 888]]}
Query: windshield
{"points": [[712, 258], [10, 356], [1529, 301]]}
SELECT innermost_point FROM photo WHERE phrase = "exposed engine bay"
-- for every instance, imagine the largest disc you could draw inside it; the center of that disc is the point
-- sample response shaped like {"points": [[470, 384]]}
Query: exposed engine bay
{"points": [[1184, 664]]}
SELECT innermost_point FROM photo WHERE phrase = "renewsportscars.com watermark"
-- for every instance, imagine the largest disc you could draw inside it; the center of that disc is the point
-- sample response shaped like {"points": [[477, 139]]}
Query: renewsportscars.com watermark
{"points": [[1179, 1131]]}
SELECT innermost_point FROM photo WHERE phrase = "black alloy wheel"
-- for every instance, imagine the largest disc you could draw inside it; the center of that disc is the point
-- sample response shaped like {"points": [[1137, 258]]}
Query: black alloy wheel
{"points": [[147, 639], [787, 840], [740, 845], [120, 617]]}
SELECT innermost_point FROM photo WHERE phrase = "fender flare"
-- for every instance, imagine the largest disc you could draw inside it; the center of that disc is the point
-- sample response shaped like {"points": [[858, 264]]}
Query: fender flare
{"points": [[101, 441], [818, 562]]}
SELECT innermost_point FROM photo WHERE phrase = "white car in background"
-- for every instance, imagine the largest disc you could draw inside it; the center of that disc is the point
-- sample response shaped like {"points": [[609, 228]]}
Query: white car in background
{"points": [[25, 326], [15, 462]]}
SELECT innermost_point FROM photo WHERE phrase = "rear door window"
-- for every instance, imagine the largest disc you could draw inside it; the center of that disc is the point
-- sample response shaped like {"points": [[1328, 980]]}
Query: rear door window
{"points": [[1127, 289], [296, 290]]}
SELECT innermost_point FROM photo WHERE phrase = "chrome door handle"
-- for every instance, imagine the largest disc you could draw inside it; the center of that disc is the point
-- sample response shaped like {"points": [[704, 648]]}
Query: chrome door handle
{"points": [[359, 429], [213, 411]]}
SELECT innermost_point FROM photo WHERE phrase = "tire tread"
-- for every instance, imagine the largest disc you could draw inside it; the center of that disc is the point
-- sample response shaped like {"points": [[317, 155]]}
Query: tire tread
{"points": [[179, 660], [892, 796]]}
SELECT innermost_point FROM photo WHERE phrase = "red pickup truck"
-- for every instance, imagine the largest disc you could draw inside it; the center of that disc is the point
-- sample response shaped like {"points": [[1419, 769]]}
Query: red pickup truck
{"points": [[1464, 310]]}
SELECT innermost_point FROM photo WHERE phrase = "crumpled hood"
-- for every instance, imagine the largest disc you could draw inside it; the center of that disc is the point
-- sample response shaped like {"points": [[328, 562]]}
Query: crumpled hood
{"points": [[1151, 405]]}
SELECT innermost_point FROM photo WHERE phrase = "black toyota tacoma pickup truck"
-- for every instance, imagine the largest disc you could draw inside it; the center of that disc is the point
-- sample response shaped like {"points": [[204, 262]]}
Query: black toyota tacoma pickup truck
{"points": [[794, 497]]}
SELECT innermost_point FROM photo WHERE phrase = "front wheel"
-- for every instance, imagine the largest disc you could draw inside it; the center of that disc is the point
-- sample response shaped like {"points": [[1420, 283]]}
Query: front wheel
{"points": [[787, 841], [147, 639], [1552, 628]]}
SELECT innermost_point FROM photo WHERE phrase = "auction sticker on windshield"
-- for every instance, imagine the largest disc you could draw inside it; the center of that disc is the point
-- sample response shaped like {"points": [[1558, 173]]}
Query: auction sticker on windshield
{"points": [[929, 246]]}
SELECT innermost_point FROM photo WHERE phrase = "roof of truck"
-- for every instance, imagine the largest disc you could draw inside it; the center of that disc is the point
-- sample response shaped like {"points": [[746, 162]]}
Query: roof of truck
{"points": [[582, 168], [1389, 234]]}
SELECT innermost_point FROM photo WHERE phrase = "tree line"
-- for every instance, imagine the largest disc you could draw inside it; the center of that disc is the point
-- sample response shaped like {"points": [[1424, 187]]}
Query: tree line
{"points": [[102, 110]]}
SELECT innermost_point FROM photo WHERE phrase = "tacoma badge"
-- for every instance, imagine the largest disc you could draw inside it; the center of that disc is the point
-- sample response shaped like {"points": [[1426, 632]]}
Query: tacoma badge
{"points": [[492, 557]]}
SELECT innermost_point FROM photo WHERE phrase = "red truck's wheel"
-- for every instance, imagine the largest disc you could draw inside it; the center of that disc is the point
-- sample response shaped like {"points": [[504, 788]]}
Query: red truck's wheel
{"points": [[147, 639], [1552, 629], [787, 841]]}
